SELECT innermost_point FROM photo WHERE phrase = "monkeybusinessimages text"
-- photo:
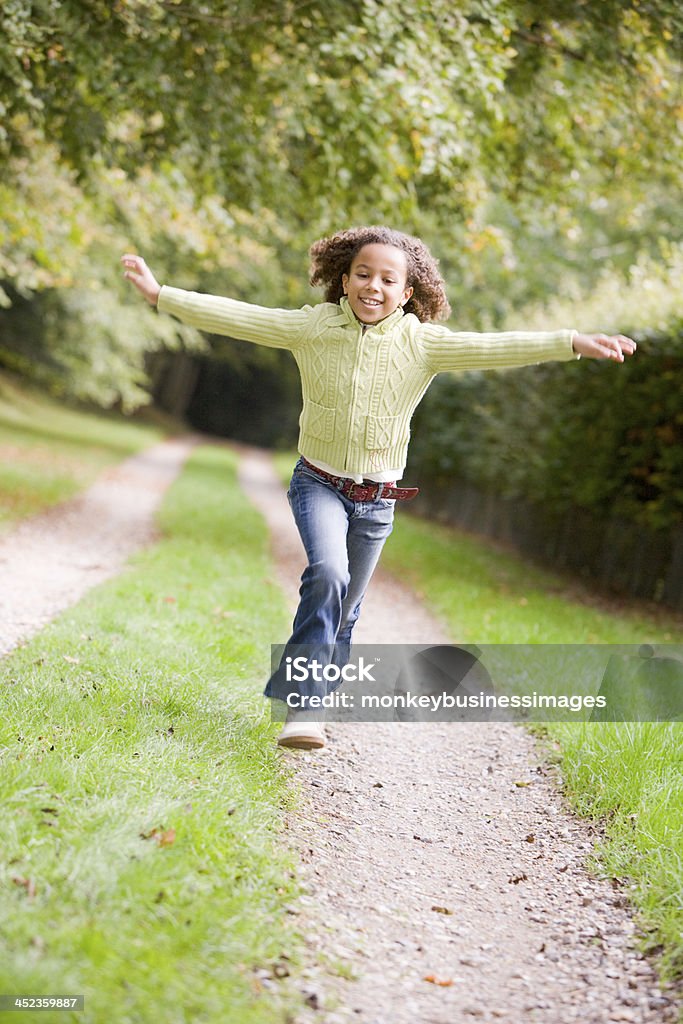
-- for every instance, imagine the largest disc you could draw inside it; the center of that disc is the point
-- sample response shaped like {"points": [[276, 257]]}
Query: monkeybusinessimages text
{"points": [[299, 670]]}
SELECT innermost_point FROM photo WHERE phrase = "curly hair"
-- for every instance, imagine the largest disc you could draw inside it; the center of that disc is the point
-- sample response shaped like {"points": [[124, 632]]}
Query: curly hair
{"points": [[332, 257]]}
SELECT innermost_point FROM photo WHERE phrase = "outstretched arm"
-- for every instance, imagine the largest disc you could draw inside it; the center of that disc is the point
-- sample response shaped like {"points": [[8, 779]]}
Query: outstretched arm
{"points": [[457, 351], [604, 346], [216, 314], [142, 277]]}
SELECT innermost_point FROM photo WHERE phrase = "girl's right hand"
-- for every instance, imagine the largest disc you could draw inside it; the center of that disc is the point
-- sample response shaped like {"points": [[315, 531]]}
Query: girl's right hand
{"points": [[142, 277]]}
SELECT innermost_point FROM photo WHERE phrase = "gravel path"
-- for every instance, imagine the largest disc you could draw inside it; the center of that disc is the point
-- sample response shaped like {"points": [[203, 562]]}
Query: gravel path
{"points": [[49, 561], [438, 889]]}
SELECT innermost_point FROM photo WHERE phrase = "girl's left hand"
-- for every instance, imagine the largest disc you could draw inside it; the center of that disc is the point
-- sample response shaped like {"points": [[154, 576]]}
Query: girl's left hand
{"points": [[604, 346]]}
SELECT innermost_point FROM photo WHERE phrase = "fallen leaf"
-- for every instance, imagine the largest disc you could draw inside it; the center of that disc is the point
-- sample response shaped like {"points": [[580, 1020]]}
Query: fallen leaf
{"points": [[516, 879], [441, 910], [72, 661], [432, 978], [531, 838], [170, 600], [520, 785], [26, 883], [164, 837]]}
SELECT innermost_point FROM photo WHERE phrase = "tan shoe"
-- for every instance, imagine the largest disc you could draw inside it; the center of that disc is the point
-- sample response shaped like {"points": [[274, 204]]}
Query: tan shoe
{"points": [[303, 729]]}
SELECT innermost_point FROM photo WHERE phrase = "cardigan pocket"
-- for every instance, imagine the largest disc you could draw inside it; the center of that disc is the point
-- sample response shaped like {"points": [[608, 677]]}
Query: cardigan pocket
{"points": [[318, 421], [382, 432]]}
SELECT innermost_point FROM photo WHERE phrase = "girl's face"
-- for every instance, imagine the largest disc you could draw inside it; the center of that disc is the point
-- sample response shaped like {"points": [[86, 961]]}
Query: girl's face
{"points": [[377, 282]]}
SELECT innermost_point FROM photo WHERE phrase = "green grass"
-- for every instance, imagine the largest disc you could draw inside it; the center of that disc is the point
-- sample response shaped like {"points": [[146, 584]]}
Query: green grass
{"points": [[630, 775], [627, 775], [488, 594], [49, 452], [141, 860]]}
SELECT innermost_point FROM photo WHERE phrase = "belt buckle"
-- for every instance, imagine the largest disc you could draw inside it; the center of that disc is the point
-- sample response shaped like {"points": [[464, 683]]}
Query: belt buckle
{"points": [[371, 487]]}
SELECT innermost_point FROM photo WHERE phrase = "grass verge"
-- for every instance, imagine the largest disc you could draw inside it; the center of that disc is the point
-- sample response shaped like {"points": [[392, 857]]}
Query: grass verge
{"points": [[49, 452], [627, 775], [139, 861]]}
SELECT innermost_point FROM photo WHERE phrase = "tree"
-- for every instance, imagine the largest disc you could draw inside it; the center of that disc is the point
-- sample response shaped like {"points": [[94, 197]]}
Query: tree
{"points": [[345, 106], [225, 135]]}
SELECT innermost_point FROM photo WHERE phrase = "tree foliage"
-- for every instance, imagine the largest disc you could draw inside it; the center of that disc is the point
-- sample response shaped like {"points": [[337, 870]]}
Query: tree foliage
{"points": [[593, 437], [386, 107], [521, 139]]}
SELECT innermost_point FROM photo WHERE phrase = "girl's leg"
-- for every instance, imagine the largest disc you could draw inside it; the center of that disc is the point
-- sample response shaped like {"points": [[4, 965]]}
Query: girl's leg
{"points": [[322, 521], [369, 526], [322, 518]]}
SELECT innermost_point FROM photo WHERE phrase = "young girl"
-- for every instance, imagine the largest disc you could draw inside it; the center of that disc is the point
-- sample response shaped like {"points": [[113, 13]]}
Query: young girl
{"points": [[366, 356]]}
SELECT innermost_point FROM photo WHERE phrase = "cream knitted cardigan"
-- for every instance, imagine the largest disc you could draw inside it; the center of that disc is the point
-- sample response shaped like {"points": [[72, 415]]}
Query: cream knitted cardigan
{"points": [[361, 386]]}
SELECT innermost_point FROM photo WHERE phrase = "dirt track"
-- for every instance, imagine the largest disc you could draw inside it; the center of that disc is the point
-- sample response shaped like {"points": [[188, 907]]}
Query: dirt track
{"points": [[49, 561]]}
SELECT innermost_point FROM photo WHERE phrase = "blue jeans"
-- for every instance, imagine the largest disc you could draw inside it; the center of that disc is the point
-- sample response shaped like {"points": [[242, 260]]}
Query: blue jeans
{"points": [[343, 541]]}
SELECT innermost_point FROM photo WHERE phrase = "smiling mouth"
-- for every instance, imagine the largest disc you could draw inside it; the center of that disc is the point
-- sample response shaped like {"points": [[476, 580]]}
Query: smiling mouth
{"points": [[373, 303]]}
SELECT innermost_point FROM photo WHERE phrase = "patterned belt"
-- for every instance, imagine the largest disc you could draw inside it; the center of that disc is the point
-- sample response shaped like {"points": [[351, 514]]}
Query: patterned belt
{"points": [[369, 491]]}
